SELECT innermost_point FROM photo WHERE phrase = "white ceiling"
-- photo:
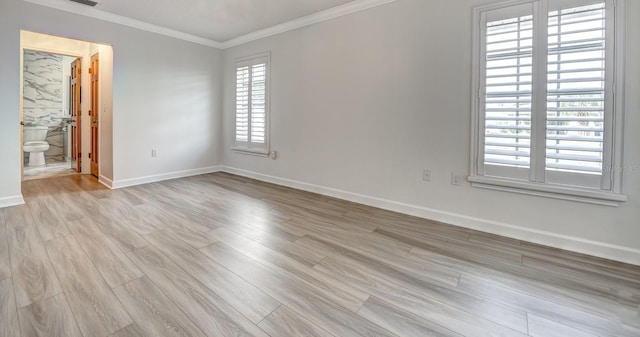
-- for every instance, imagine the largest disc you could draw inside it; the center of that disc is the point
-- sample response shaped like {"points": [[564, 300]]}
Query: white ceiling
{"points": [[217, 20]]}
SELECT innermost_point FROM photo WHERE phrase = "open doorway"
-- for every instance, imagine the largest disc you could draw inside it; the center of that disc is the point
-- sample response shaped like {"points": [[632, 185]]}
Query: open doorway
{"points": [[48, 99], [64, 100]]}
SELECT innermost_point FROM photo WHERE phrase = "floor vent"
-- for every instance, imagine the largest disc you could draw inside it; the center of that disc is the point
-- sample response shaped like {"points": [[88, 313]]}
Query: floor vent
{"points": [[86, 2]]}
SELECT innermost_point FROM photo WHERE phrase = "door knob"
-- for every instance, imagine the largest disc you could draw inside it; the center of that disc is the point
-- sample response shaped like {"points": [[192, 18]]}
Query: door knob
{"points": [[22, 123]]}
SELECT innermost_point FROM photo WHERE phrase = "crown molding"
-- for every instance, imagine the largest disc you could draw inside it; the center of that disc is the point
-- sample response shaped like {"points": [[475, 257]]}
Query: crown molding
{"points": [[75, 8], [328, 14]]}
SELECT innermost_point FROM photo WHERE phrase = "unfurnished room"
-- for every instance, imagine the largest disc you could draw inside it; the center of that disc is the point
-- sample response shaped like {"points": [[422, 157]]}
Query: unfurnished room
{"points": [[320, 168]]}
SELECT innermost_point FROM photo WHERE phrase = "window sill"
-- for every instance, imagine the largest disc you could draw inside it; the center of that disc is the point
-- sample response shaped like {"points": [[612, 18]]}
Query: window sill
{"points": [[585, 195], [251, 152]]}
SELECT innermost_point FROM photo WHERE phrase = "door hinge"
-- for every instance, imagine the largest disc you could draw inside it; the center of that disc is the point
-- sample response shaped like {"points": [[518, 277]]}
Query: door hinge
{"points": [[89, 155]]}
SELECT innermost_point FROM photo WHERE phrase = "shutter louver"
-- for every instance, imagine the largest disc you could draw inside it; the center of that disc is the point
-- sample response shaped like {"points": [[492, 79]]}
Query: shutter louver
{"points": [[242, 104], [258, 103], [576, 89], [508, 83]]}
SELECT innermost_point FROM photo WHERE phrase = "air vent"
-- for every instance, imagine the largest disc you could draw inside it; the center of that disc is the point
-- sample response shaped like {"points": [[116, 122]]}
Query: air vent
{"points": [[86, 2]]}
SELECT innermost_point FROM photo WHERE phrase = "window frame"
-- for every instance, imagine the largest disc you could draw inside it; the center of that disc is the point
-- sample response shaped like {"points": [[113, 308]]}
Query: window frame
{"points": [[611, 191], [250, 147]]}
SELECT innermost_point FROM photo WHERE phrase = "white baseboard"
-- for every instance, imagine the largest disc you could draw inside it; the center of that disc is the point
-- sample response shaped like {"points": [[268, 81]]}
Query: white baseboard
{"points": [[11, 201], [160, 177], [575, 244], [106, 181]]}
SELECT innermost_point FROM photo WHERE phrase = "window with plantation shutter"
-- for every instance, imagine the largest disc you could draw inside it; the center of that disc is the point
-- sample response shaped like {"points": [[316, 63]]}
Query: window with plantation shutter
{"points": [[576, 89], [251, 104], [547, 112]]}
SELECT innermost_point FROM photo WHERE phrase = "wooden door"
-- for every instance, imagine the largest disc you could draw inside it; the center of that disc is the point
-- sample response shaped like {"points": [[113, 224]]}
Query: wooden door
{"points": [[76, 118], [94, 114]]}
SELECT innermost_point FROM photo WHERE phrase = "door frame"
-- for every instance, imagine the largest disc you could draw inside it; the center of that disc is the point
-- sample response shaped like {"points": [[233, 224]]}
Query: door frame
{"points": [[56, 44], [94, 115], [75, 110], [43, 50], [84, 92]]}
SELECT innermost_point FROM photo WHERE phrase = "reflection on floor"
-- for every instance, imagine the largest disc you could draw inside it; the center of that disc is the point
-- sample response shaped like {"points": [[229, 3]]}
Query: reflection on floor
{"points": [[224, 255], [52, 169]]}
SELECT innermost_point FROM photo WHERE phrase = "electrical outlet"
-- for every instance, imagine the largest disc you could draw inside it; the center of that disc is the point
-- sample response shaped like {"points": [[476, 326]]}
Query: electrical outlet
{"points": [[426, 175], [154, 153], [455, 179]]}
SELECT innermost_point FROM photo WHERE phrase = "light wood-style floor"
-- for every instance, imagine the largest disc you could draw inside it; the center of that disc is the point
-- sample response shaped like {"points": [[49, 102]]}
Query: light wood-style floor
{"points": [[220, 255]]}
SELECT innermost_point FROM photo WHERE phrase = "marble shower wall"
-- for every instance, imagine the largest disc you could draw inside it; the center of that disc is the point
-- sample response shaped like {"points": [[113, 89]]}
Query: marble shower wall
{"points": [[43, 98]]}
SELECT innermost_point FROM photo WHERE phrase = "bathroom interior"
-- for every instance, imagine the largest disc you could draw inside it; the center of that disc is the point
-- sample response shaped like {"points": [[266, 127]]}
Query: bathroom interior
{"points": [[46, 104]]}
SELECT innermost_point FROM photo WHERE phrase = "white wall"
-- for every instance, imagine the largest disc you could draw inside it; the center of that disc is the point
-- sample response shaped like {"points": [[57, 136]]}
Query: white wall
{"points": [[166, 95], [105, 104], [362, 103], [10, 135]]}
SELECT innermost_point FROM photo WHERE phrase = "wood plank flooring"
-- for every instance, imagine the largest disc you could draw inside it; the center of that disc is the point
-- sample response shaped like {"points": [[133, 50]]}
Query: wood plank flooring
{"points": [[222, 255]]}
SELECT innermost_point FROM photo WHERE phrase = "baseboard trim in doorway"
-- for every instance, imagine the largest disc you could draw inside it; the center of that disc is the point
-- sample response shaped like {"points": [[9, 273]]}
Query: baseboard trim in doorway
{"points": [[11, 201], [164, 176], [105, 181], [575, 244]]}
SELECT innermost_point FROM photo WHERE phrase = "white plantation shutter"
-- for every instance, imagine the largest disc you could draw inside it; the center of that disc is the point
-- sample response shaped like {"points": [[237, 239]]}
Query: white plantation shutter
{"points": [[258, 103], [546, 110], [242, 104], [509, 52], [576, 89], [251, 103]]}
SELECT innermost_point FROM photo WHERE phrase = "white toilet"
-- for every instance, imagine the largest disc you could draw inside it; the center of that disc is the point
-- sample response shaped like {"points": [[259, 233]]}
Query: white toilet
{"points": [[35, 144]]}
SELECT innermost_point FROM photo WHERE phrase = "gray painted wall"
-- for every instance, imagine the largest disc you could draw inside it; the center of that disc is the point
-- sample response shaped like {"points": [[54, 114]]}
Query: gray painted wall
{"points": [[166, 95], [363, 103]]}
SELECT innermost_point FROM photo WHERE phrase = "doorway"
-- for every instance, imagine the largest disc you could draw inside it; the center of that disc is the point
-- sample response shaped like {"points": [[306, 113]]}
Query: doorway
{"points": [[62, 97], [48, 101]]}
